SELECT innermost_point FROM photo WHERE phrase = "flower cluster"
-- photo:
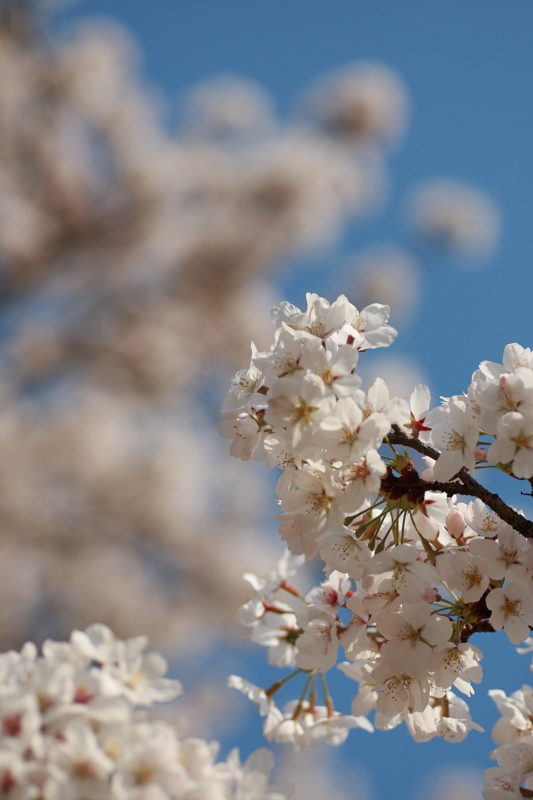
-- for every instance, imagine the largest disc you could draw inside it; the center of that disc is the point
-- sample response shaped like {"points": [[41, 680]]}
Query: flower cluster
{"points": [[512, 779], [299, 407], [412, 571], [72, 725]]}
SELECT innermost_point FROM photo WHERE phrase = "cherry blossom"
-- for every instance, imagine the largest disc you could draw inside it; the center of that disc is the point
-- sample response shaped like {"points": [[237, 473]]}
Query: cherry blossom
{"points": [[465, 573], [511, 611], [410, 576], [244, 429], [457, 437], [415, 415], [99, 745], [410, 636], [514, 444], [317, 647], [244, 391], [345, 552], [347, 435], [457, 665], [300, 406], [507, 558]]}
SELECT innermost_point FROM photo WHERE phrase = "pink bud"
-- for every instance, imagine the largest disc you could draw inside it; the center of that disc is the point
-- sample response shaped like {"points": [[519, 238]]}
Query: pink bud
{"points": [[480, 454], [430, 595], [503, 381], [455, 524]]}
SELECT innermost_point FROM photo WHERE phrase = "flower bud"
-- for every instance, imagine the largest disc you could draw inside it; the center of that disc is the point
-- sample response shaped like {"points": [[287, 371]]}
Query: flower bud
{"points": [[455, 524]]}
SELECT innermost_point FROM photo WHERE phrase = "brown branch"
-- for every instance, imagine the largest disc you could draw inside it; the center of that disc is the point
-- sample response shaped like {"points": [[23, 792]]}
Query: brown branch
{"points": [[467, 485]]}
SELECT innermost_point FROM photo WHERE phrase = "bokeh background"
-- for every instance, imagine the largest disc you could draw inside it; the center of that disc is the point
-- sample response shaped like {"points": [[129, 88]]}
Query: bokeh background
{"points": [[170, 170]]}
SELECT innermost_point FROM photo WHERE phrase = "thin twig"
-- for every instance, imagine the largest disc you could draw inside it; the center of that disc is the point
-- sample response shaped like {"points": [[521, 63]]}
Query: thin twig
{"points": [[465, 484]]}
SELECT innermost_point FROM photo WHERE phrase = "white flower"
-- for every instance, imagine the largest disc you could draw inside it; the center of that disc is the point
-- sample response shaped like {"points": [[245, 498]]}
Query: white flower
{"points": [[362, 479], [264, 588], [62, 737], [278, 631], [511, 611], [318, 499], [354, 637], [457, 437], [285, 355], [516, 356], [332, 728], [384, 597], [517, 759], [15, 776], [335, 365], [244, 389], [345, 552], [409, 576], [464, 572], [500, 785], [288, 459], [514, 443], [294, 529], [322, 319], [149, 767], [513, 392], [20, 719], [378, 400], [429, 519], [399, 691], [516, 723], [506, 558], [87, 769], [300, 406], [418, 410], [317, 647], [347, 435], [411, 634], [454, 725], [244, 429], [366, 698], [456, 664], [371, 323], [139, 677], [254, 693], [483, 520], [330, 593]]}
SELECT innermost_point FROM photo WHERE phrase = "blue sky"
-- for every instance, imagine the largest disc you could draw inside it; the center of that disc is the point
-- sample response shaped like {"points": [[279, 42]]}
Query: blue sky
{"points": [[468, 67]]}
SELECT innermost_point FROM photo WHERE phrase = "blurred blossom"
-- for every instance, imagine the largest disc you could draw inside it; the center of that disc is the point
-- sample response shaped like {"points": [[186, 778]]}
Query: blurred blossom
{"points": [[228, 105], [456, 216], [108, 512], [317, 774], [360, 104], [134, 265], [311, 185], [454, 784], [389, 275]]}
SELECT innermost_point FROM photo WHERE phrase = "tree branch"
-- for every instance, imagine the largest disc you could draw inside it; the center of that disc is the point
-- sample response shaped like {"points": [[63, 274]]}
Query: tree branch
{"points": [[468, 485]]}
